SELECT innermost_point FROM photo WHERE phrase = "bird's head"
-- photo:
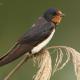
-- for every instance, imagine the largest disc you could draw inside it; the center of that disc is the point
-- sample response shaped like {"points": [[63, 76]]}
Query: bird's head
{"points": [[53, 15]]}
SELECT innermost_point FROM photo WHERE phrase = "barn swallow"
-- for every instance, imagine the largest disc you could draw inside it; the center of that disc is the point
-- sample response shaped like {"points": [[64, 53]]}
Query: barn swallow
{"points": [[36, 38]]}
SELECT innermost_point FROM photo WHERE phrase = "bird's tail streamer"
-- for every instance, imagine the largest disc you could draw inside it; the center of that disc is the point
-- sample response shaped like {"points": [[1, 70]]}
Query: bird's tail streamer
{"points": [[12, 55]]}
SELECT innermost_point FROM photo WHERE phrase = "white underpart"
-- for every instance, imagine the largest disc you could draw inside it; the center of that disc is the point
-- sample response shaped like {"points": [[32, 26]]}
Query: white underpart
{"points": [[43, 44]]}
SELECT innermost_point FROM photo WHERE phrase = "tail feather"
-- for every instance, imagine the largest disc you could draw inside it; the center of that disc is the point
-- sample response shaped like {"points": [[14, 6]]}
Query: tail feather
{"points": [[12, 55]]}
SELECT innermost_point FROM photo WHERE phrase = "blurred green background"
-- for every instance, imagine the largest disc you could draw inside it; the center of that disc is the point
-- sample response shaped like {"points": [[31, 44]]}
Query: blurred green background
{"points": [[16, 16]]}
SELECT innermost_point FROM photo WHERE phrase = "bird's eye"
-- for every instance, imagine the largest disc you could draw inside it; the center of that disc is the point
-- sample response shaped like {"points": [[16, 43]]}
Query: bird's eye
{"points": [[54, 13]]}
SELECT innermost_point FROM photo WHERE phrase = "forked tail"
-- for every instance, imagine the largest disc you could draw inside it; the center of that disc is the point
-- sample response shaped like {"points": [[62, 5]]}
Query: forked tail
{"points": [[12, 55]]}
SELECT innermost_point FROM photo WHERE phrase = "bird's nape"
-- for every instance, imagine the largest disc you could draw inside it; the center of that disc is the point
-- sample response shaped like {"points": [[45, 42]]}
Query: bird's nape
{"points": [[53, 15]]}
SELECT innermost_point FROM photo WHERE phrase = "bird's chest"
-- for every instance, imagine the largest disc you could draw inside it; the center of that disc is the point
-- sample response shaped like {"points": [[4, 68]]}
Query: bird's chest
{"points": [[43, 43]]}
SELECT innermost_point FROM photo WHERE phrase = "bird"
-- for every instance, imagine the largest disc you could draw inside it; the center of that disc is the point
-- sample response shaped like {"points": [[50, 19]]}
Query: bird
{"points": [[36, 38]]}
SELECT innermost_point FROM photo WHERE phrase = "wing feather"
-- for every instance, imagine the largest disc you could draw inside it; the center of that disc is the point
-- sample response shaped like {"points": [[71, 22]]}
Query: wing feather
{"points": [[29, 40]]}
